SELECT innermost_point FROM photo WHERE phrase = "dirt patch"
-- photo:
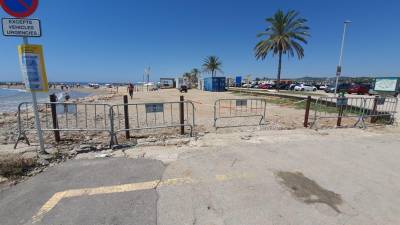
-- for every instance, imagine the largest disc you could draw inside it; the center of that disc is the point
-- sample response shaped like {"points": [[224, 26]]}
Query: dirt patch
{"points": [[308, 190], [12, 166]]}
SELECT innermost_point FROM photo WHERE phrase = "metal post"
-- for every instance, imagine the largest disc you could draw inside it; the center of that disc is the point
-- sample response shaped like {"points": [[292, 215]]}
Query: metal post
{"points": [[341, 109], [339, 68], [126, 116], [308, 104], [53, 99], [182, 114], [374, 118], [35, 111]]}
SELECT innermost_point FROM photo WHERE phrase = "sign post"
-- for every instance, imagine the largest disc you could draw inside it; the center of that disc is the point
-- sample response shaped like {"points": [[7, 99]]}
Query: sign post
{"points": [[34, 76], [30, 56]]}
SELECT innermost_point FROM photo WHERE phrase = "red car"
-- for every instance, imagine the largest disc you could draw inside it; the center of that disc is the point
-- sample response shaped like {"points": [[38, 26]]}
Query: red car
{"points": [[358, 89], [264, 86]]}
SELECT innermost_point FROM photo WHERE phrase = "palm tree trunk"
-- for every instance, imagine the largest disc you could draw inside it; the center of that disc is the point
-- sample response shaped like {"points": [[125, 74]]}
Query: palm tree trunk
{"points": [[278, 80]]}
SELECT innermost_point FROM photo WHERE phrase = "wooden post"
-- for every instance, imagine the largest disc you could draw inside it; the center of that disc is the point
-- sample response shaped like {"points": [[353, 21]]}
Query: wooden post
{"points": [[182, 114], [340, 114], [126, 116], [53, 99], [374, 118], [308, 104]]}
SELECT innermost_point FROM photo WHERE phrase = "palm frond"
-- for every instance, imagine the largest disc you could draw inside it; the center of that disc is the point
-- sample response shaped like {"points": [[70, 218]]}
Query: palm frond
{"points": [[284, 34]]}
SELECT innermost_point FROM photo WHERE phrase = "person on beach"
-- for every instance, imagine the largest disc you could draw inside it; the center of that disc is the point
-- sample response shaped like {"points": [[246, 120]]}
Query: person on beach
{"points": [[130, 89]]}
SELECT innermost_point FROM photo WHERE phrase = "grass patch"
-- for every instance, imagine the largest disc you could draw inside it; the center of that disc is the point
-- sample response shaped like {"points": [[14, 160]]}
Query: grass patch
{"points": [[302, 93], [15, 166], [298, 104]]}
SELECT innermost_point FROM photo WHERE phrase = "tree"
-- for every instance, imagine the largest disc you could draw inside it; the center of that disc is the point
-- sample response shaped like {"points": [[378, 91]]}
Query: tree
{"points": [[212, 64], [186, 77], [284, 35], [194, 76]]}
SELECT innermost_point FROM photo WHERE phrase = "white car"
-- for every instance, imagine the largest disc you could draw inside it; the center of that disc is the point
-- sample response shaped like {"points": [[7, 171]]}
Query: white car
{"points": [[246, 85], [323, 87], [305, 87]]}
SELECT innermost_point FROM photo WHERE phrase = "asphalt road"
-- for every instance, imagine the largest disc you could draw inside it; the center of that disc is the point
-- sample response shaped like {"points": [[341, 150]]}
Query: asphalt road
{"points": [[19, 204], [302, 177]]}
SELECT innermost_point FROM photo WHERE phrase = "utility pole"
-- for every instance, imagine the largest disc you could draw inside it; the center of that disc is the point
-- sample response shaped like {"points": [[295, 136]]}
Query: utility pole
{"points": [[339, 67], [147, 75]]}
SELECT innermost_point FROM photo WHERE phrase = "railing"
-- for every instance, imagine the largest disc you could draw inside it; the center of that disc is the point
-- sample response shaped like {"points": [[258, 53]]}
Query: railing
{"points": [[354, 110], [64, 117], [69, 117], [237, 108], [141, 116]]}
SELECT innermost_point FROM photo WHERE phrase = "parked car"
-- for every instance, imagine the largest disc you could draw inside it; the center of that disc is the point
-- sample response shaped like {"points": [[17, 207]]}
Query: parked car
{"points": [[246, 85], [358, 89], [254, 85], [284, 87], [264, 86], [305, 87], [322, 87], [344, 87], [291, 87], [183, 88]]}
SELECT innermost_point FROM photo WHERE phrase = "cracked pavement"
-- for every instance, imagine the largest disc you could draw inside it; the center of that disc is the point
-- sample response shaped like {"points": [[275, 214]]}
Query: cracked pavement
{"points": [[224, 179]]}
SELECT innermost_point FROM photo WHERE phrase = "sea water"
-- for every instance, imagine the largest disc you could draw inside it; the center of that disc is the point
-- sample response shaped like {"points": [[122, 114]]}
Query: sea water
{"points": [[11, 98]]}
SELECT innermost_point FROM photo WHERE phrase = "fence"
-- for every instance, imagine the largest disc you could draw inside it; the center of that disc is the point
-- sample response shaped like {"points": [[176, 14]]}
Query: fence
{"points": [[381, 109], [142, 116], [68, 117], [353, 111], [239, 108], [64, 117]]}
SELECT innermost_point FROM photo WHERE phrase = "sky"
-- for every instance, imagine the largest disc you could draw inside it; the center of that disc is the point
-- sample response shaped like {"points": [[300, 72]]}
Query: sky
{"points": [[114, 41]]}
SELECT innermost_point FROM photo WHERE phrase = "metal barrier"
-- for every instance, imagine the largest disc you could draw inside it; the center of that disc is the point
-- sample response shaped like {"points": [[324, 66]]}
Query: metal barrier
{"points": [[139, 116], [381, 108], [236, 108], [66, 117], [354, 109]]}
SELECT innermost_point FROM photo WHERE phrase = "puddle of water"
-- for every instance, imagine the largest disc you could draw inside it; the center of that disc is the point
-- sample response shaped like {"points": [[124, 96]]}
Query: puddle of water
{"points": [[308, 190]]}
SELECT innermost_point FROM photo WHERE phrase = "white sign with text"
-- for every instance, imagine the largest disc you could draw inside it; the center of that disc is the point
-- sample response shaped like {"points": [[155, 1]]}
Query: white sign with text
{"points": [[21, 27]]}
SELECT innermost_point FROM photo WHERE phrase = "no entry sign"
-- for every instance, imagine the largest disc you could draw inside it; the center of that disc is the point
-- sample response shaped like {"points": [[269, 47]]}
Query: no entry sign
{"points": [[19, 8]]}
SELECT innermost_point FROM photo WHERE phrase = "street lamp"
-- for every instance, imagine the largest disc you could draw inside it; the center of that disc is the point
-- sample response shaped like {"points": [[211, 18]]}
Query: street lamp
{"points": [[339, 67]]}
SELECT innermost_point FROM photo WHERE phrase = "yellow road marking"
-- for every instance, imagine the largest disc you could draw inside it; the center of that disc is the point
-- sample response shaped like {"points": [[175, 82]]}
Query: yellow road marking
{"points": [[57, 197]]}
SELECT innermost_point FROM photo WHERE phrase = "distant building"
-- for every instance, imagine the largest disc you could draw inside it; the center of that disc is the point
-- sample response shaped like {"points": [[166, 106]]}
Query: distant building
{"points": [[167, 83]]}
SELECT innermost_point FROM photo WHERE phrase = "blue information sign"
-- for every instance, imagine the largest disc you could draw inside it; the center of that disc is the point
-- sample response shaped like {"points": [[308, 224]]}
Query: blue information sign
{"points": [[154, 107]]}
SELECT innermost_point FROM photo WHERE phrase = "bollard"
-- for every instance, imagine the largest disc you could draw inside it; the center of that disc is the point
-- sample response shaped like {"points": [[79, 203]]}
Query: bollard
{"points": [[308, 104], [182, 114], [373, 117], [126, 116], [53, 99]]}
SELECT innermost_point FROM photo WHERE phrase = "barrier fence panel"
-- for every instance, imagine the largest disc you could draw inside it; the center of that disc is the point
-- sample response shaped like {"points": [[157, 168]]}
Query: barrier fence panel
{"points": [[239, 108], [380, 109], [141, 116], [353, 111], [67, 117]]}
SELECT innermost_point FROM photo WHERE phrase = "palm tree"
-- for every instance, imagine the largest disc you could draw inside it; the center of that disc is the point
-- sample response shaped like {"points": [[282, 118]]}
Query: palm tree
{"points": [[212, 64], [194, 76], [186, 77], [284, 35]]}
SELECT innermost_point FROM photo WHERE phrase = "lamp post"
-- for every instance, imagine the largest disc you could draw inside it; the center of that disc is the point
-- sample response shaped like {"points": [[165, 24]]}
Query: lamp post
{"points": [[339, 67]]}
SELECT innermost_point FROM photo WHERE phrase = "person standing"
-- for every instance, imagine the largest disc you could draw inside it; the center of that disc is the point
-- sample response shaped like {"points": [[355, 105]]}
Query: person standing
{"points": [[130, 89]]}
